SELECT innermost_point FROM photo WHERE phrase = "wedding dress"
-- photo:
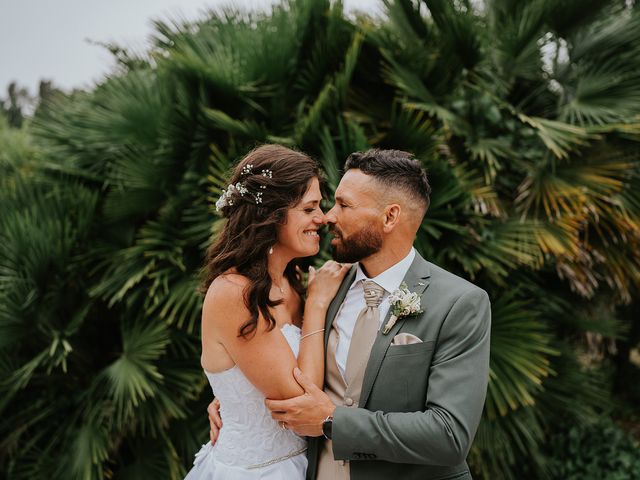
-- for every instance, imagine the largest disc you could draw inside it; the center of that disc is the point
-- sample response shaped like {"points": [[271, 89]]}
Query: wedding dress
{"points": [[251, 444]]}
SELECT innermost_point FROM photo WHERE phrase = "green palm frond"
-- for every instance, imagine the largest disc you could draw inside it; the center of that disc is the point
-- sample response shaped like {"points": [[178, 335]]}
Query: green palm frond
{"points": [[180, 304], [559, 238], [518, 29], [599, 78], [219, 170], [218, 64], [559, 190], [343, 77], [492, 152], [559, 137], [313, 116], [411, 85], [151, 458], [122, 118], [20, 378], [501, 442], [413, 129], [573, 380], [332, 94], [613, 33], [334, 149], [449, 190], [509, 245], [603, 94], [330, 161], [90, 449], [521, 347], [458, 33], [405, 16], [133, 377], [246, 128], [324, 20], [569, 16]]}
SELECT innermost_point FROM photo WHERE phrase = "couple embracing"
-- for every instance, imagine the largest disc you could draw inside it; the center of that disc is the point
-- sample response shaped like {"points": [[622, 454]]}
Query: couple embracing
{"points": [[378, 370]]}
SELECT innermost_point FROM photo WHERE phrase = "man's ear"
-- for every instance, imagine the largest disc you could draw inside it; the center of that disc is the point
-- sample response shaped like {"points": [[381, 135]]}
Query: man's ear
{"points": [[391, 216]]}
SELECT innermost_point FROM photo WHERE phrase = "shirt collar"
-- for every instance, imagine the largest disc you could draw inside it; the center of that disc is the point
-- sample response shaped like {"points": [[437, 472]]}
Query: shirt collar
{"points": [[392, 277]]}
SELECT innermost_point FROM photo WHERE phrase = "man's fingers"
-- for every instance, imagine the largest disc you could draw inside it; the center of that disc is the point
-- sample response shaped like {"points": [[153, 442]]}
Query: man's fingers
{"points": [[214, 416], [303, 380], [276, 405], [217, 419], [215, 422], [214, 412], [279, 416]]}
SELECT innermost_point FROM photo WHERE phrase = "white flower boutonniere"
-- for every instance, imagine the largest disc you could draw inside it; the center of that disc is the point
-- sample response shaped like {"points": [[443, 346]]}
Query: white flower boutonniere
{"points": [[403, 303]]}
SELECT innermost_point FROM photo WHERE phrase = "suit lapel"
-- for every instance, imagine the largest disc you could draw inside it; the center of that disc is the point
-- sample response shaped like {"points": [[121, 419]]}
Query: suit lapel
{"points": [[337, 302], [417, 280]]}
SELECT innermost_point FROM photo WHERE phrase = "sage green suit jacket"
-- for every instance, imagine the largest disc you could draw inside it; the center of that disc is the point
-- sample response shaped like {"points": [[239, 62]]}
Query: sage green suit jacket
{"points": [[421, 403]]}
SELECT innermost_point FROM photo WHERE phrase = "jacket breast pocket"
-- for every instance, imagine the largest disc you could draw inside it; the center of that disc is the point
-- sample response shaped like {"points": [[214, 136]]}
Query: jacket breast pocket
{"points": [[401, 384], [410, 349]]}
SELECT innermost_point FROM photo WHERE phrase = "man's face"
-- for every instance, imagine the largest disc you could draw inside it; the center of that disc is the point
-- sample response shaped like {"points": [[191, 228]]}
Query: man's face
{"points": [[356, 218]]}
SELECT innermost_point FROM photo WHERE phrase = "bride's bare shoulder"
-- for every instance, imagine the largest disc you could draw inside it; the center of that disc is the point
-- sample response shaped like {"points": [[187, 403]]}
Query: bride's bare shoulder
{"points": [[228, 284], [226, 293]]}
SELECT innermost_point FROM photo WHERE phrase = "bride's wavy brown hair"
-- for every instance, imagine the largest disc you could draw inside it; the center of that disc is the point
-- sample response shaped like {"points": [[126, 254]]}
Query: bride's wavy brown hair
{"points": [[251, 227]]}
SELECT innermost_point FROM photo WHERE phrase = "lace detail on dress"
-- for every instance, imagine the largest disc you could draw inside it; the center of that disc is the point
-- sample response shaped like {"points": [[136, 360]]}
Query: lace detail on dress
{"points": [[249, 435]]}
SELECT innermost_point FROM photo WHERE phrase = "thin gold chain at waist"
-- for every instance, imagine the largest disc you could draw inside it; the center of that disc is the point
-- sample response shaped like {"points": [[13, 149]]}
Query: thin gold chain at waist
{"points": [[278, 459]]}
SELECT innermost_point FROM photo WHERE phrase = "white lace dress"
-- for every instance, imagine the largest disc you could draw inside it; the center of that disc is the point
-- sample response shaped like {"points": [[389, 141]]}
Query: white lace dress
{"points": [[251, 444]]}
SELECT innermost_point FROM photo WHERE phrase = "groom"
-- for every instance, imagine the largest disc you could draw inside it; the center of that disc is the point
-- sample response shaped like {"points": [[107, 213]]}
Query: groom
{"points": [[401, 399]]}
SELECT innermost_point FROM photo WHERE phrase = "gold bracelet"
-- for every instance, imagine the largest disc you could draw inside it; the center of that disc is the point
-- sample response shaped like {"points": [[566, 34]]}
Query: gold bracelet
{"points": [[312, 333]]}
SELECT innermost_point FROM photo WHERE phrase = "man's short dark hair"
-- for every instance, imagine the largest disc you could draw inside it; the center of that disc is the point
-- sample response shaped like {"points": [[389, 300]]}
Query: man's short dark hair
{"points": [[393, 168]]}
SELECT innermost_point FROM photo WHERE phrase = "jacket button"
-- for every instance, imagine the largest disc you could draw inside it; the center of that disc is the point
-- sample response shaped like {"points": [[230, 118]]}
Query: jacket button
{"points": [[348, 401]]}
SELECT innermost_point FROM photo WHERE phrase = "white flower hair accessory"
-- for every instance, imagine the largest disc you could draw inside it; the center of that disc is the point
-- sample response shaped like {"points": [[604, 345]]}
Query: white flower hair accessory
{"points": [[226, 199], [403, 304]]}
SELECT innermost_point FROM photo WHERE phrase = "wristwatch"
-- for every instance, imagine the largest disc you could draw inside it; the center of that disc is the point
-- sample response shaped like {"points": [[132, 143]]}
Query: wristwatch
{"points": [[327, 426]]}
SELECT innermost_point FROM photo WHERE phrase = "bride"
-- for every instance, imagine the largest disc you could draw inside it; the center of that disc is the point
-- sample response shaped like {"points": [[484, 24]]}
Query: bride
{"points": [[253, 333]]}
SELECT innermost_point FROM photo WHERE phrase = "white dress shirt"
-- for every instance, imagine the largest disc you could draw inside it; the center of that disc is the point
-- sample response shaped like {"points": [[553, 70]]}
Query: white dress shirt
{"points": [[353, 303]]}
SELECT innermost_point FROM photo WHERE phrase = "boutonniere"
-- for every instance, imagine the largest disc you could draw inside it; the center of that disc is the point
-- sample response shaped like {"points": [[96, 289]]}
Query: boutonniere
{"points": [[403, 304]]}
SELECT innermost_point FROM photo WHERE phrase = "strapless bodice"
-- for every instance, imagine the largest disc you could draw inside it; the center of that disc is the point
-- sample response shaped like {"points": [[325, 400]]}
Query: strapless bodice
{"points": [[249, 436]]}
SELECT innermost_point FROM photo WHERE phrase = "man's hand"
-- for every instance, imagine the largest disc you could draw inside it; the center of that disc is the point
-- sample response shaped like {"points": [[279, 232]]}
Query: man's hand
{"points": [[215, 422], [304, 414]]}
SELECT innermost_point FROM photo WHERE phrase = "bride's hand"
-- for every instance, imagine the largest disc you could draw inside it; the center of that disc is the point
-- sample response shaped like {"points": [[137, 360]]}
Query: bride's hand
{"points": [[323, 283]]}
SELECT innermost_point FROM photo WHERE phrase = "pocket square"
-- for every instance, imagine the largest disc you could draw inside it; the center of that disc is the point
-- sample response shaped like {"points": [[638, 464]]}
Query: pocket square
{"points": [[405, 339]]}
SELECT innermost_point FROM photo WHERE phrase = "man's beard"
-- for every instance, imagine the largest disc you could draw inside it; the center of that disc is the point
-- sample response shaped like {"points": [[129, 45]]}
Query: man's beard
{"points": [[359, 245]]}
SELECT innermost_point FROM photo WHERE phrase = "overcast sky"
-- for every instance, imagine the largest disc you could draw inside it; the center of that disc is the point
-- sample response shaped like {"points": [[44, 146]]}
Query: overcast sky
{"points": [[51, 39]]}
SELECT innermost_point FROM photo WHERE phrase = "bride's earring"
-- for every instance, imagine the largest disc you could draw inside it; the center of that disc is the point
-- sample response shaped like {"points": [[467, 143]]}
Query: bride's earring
{"points": [[271, 251]]}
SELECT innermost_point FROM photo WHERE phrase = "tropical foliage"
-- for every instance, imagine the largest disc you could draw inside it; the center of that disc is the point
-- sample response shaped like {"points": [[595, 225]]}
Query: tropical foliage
{"points": [[594, 451], [525, 113]]}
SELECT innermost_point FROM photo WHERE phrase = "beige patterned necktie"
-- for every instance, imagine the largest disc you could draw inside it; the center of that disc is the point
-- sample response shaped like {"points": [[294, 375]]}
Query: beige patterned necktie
{"points": [[364, 333]]}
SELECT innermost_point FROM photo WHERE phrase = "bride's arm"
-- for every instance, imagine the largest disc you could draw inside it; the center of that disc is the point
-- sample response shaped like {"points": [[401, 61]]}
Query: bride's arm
{"points": [[311, 354], [322, 287], [265, 357]]}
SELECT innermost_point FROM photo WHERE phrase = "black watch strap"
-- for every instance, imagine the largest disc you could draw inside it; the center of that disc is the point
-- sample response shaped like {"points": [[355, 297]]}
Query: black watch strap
{"points": [[327, 427]]}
